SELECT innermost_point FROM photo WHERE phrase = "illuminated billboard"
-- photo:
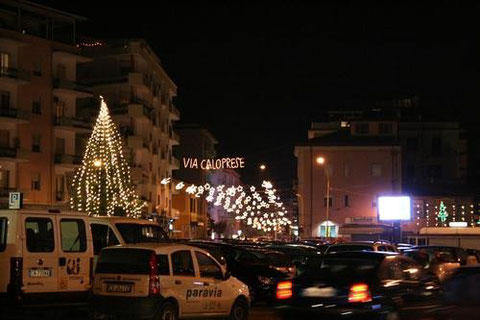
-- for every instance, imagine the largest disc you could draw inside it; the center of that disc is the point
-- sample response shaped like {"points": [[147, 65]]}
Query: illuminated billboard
{"points": [[391, 208]]}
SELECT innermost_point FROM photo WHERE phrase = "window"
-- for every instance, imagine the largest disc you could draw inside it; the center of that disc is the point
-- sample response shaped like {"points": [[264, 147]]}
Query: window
{"points": [[4, 100], [137, 233], [59, 146], [192, 205], [162, 265], [347, 201], [4, 62], [103, 236], [376, 170], [61, 71], [36, 107], [436, 146], [410, 171], [5, 138], [182, 263], [208, 267], [361, 128], [3, 233], [39, 234], [36, 142], [434, 171], [60, 187], [73, 235], [36, 181], [412, 144], [385, 128], [124, 261]]}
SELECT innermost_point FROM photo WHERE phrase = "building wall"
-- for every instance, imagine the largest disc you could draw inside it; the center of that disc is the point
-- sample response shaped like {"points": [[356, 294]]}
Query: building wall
{"points": [[350, 171]]}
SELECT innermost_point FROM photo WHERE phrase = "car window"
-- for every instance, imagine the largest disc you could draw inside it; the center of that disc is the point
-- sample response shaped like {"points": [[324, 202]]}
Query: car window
{"points": [[141, 233], [162, 265], [382, 248], [391, 270], [462, 255], [208, 267], [345, 248], [39, 234], [103, 236], [182, 263], [74, 238], [124, 261], [3, 233]]}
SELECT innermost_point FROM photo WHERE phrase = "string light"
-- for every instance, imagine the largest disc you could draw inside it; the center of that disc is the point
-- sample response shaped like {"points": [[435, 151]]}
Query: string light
{"points": [[102, 184]]}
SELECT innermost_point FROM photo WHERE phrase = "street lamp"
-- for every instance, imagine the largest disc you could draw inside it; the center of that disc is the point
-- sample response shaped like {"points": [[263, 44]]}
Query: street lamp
{"points": [[263, 167], [323, 161]]}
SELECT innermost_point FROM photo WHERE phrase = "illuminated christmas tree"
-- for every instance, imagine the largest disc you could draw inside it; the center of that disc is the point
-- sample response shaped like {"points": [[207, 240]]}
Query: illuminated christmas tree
{"points": [[442, 213], [102, 185]]}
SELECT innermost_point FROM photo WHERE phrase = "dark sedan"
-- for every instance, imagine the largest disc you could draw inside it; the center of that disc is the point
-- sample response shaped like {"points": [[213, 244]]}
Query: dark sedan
{"points": [[367, 285]]}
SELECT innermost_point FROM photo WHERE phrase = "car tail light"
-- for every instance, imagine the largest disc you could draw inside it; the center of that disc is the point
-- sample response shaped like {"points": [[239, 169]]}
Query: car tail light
{"points": [[154, 283], [284, 290], [359, 292], [14, 288]]}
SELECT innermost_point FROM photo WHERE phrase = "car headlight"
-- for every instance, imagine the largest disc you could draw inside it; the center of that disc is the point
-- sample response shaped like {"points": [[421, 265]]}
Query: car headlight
{"points": [[266, 281]]}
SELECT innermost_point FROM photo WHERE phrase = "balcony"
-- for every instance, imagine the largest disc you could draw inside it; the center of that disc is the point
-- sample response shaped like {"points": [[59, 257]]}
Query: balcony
{"points": [[73, 124], [137, 142], [174, 112], [174, 137], [14, 76], [71, 87], [11, 115], [136, 108], [69, 161]]}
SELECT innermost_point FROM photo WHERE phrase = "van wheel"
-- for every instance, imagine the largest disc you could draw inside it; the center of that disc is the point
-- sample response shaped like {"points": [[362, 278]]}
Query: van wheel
{"points": [[239, 310], [167, 312]]}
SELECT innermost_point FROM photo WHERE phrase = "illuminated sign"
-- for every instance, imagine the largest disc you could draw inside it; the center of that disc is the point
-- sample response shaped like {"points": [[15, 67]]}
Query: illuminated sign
{"points": [[394, 208], [214, 164], [458, 224]]}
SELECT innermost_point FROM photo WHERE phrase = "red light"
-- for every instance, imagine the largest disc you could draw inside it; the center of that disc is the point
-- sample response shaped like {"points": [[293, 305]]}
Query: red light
{"points": [[359, 292], [284, 290]]}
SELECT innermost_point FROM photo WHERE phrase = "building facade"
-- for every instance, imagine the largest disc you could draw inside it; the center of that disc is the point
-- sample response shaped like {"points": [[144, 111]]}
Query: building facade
{"points": [[43, 124], [357, 167], [199, 143], [139, 93]]}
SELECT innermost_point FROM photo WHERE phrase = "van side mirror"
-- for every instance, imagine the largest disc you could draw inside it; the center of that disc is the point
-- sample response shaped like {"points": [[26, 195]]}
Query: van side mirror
{"points": [[227, 275]]}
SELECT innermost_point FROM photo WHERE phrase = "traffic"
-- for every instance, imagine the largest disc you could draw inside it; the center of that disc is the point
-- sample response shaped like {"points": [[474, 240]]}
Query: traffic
{"points": [[114, 267]]}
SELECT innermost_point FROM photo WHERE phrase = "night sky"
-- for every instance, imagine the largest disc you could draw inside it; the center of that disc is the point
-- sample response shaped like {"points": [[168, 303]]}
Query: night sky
{"points": [[256, 73]]}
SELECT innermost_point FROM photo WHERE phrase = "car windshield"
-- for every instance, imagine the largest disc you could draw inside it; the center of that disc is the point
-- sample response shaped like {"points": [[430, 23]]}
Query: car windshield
{"points": [[141, 233], [353, 247]]}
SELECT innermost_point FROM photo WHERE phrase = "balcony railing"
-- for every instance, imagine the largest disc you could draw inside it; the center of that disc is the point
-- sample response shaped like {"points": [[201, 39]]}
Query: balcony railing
{"points": [[71, 85], [8, 112], [73, 122], [7, 152], [68, 159], [14, 73]]}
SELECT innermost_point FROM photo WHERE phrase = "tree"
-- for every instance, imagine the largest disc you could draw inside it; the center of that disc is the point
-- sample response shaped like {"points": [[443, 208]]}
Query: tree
{"points": [[102, 185], [442, 212]]}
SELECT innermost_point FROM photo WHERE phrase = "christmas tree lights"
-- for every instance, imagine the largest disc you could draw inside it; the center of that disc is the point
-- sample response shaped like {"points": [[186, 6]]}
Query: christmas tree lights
{"points": [[102, 185]]}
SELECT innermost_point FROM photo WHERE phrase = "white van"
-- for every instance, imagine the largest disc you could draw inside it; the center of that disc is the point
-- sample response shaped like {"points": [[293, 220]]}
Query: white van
{"points": [[165, 281], [45, 256], [109, 231]]}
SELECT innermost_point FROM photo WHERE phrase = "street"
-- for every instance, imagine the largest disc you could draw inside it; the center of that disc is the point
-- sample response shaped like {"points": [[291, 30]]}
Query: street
{"points": [[260, 312]]}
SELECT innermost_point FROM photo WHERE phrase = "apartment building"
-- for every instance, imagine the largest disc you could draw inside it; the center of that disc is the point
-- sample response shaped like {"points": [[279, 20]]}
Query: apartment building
{"points": [[139, 93], [43, 125]]}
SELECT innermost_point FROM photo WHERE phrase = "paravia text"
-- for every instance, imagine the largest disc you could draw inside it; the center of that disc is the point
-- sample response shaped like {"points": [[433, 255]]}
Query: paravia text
{"points": [[204, 293]]}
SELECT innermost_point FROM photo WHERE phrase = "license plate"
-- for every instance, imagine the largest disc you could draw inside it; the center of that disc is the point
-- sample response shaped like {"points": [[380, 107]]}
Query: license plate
{"points": [[40, 273], [121, 288], [319, 292]]}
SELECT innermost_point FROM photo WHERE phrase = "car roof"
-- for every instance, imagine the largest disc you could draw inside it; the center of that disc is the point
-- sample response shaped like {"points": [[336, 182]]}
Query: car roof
{"points": [[160, 247], [435, 247], [123, 220], [360, 255]]}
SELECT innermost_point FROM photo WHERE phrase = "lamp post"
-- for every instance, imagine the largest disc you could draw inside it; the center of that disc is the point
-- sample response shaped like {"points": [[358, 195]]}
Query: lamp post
{"points": [[322, 161]]}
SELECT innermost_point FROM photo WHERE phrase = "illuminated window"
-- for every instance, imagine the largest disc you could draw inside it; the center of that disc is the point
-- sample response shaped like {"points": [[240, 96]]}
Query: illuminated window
{"points": [[36, 181]]}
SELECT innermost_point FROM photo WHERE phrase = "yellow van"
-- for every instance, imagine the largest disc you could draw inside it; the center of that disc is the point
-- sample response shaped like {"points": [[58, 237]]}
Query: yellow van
{"points": [[164, 281], [45, 256]]}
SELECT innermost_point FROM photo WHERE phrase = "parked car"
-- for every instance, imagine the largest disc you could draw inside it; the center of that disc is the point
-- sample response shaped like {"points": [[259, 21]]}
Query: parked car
{"points": [[297, 253], [165, 281], [440, 263], [362, 246], [460, 254], [372, 285]]}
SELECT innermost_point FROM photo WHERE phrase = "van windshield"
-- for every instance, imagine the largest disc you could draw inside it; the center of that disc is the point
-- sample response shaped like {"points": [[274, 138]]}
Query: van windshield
{"points": [[141, 233]]}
